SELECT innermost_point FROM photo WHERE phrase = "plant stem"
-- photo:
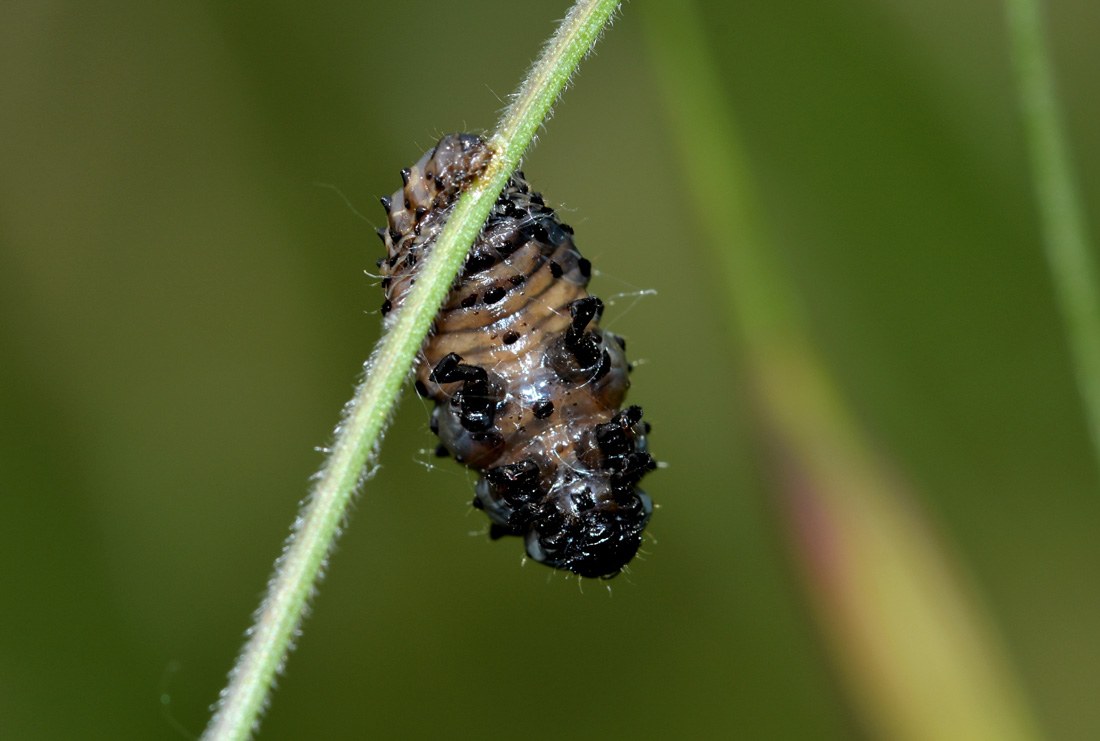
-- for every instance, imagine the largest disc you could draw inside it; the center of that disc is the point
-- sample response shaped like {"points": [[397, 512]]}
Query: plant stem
{"points": [[1065, 237], [357, 437]]}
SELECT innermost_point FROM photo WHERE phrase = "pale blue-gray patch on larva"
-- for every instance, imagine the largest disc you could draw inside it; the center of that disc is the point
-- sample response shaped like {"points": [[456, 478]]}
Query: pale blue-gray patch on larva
{"points": [[528, 388]]}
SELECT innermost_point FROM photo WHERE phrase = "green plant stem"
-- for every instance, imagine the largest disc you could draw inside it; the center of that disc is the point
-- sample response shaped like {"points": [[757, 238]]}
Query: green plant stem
{"points": [[1065, 236], [299, 568]]}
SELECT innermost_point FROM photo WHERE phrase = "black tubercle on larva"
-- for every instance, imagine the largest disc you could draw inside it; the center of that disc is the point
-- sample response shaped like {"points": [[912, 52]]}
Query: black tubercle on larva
{"points": [[582, 311], [479, 260], [477, 398], [579, 355], [527, 387], [543, 408]]}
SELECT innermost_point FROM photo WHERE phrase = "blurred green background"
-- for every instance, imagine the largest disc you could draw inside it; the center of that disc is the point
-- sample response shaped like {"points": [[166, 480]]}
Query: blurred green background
{"points": [[184, 310]]}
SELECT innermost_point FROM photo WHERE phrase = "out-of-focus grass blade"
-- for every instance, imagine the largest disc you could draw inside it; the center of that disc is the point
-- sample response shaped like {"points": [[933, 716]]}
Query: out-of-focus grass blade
{"points": [[919, 659], [1065, 238]]}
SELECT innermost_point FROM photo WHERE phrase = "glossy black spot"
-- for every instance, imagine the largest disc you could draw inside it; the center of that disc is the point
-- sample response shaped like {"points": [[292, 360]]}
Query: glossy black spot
{"points": [[579, 355], [494, 294], [477, 415], [556, 270], [451, 369], [510, 338], [584, 501], [538, 232], [386, 307], [543, 409], [479, 260], [583, 311], [515, 482], [630, 470], [508, 209], [585, 267], [585, 345], [477, 401], [469, 301], [612, 439]]}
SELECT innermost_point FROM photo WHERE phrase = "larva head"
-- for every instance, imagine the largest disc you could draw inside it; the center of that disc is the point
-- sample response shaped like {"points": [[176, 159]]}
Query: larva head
{"points": [[456, 161], [415, 213]]}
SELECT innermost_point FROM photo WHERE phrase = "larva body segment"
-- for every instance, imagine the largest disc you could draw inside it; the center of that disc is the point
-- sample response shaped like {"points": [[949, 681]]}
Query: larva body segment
{"points": [[527, 387]]}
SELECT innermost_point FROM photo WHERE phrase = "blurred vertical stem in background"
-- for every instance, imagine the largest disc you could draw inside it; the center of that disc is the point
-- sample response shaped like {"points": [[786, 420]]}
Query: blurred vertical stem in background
{"points": [[1065, 236], [918, 657]]}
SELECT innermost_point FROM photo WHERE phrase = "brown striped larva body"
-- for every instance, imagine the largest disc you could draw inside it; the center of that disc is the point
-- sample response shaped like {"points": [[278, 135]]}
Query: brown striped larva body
{"points": [[528, 388]]}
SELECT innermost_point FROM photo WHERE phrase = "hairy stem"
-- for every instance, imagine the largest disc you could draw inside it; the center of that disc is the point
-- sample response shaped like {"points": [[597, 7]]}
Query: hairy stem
{"points": [[299, 567], [1065, 237]]}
